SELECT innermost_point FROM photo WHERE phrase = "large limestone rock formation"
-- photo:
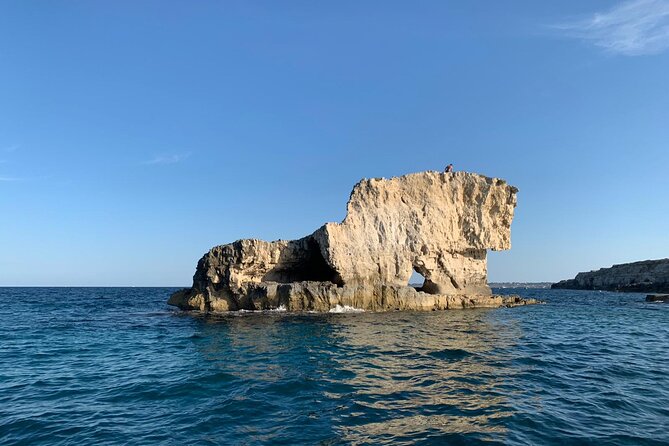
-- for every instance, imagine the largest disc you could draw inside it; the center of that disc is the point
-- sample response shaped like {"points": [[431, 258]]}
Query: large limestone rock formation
{"points": [[438, 224], [648, 276]]}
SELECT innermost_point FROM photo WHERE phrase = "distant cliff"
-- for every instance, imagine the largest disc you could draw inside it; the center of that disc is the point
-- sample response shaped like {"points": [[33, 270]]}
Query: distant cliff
{"points": [[437, 224], [646, 276]]}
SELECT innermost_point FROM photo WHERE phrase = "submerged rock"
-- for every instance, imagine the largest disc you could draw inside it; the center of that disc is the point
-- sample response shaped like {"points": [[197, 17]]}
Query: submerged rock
{"points": [[437, 224], [657, 298], [648, 276]]}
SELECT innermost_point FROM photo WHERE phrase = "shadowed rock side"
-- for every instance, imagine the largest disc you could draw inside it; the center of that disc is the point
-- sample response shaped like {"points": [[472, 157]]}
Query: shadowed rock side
{"points": [[438, 224], [648, 276], [658, 298]]}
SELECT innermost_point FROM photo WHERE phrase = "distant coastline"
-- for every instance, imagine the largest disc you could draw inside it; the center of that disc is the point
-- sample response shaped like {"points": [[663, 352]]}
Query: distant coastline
{"points": [[520, 284], [647, 276]]}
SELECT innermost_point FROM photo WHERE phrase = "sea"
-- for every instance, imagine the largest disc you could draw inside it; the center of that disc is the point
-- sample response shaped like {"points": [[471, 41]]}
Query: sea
{"points": [[117, 366]]}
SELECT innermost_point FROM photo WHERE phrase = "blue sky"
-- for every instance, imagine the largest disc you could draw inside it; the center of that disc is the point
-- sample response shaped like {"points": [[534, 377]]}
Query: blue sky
{"points": [[136, 135]]}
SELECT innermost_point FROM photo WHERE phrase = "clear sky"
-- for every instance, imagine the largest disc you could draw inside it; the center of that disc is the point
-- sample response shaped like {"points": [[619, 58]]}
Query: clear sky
{"points": [[135, 135]]}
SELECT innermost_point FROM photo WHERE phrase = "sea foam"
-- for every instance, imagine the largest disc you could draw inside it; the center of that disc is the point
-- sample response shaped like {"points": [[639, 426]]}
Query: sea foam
{"points": [[345, 309]]}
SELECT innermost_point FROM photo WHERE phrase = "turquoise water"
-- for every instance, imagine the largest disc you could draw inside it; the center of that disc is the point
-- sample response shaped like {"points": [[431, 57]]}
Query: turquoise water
{"points": [[116, 366]]}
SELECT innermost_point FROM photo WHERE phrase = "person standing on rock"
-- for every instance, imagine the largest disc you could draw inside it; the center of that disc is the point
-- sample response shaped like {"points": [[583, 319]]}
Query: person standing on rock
{"points": [[449, 168]]}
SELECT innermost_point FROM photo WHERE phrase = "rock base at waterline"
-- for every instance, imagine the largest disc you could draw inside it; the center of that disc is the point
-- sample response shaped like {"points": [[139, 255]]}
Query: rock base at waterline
{"points": [[323, 297]]}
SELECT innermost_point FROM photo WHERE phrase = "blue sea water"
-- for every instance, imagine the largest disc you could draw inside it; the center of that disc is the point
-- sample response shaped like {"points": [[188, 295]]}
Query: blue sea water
{"points": [[116, 366]]}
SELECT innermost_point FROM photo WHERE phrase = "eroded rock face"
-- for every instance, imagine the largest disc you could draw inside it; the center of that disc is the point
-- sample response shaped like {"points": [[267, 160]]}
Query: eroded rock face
{"points": [[438, 224], [435, 223], [647, 276]]}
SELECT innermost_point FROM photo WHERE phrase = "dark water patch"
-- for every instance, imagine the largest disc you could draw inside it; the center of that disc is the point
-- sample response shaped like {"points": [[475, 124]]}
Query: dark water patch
{"points": [[453, 354]]}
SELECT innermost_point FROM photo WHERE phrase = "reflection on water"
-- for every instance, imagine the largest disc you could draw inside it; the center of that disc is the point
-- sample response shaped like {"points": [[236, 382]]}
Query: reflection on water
{"points": [[432, 366], [394, 375]]}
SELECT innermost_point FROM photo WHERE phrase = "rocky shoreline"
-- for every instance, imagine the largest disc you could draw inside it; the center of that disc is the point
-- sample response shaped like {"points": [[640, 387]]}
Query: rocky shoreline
{"points": [[648, 276], [437, 224]]}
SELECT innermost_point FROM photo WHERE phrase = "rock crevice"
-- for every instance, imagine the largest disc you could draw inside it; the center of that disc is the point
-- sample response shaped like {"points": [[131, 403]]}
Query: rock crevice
{"points": [[437, 224]]}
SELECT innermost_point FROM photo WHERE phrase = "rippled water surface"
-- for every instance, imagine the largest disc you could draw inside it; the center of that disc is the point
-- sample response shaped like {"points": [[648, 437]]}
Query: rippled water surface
{"points": [[83, 366]]}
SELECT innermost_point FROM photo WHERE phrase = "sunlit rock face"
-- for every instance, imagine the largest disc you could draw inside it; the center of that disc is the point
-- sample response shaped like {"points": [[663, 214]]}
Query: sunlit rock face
{"points": [[437, 224], [645, 276]]}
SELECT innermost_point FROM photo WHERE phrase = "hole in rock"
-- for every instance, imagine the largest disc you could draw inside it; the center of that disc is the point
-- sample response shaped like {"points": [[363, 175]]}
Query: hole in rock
{"points": [[417, 280], [420, 282]]}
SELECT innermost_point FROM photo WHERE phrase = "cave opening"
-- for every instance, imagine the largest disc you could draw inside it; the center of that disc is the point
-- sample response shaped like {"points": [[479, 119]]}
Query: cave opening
{"points": [[317, 268], [309, 266]]}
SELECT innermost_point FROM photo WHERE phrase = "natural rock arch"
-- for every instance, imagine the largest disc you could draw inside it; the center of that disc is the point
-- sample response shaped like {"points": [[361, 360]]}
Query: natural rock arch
{"points": [[439, 224]]}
